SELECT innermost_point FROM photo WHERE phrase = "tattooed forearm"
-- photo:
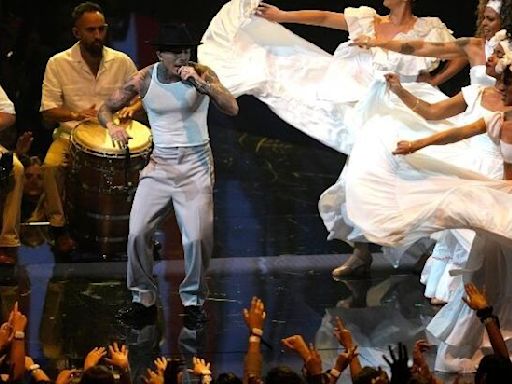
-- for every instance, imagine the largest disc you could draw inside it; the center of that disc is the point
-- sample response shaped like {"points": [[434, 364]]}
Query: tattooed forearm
{"points": [[407, 49], [462, 42], [222, 98]]}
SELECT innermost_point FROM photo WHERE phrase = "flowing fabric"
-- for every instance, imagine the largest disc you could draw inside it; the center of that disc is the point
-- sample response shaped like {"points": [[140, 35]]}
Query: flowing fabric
{"points": [[307, 87]]}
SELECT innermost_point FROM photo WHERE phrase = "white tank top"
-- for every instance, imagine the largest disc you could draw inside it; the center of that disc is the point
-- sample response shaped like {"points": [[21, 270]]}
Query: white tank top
{"points": [[177, 113]]}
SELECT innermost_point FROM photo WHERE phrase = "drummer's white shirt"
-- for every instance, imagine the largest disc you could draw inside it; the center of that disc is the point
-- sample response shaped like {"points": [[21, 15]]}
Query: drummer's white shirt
{"points": [[6, 104], [69, 83]]}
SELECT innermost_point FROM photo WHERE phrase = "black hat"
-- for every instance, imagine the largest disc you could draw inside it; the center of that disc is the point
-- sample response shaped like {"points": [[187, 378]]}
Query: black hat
{"points": [[174, 35]]}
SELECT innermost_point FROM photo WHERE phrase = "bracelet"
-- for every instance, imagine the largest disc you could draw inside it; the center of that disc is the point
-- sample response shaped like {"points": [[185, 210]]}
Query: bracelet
{"points": [[334, 373], [19, 335], [484, 312], [491, 318], [254, 339], [257, 332], [416, 105]]}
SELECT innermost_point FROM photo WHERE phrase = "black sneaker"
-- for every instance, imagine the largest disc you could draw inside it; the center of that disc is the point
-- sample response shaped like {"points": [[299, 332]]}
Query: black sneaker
{"points": [[136, 313], [195, 314]]}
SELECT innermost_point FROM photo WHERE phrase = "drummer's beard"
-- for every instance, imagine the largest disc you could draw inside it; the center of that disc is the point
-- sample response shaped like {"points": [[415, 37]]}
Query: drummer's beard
{"points": [[95, 49]]}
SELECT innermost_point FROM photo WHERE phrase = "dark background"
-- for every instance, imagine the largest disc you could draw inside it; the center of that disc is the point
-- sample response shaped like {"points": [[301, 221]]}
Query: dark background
{"points": [[268, 175]]}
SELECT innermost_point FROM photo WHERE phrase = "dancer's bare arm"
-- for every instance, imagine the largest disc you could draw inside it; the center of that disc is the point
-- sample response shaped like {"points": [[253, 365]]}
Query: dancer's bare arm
{"points": [[326, 19]]}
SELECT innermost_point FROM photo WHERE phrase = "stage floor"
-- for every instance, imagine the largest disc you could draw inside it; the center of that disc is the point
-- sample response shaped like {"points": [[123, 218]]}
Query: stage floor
{"points": [[71, 309]]}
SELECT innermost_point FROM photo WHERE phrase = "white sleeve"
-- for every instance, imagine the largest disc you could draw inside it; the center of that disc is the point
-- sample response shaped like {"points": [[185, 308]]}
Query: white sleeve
{"points": [[52, 91], [6, 104]]}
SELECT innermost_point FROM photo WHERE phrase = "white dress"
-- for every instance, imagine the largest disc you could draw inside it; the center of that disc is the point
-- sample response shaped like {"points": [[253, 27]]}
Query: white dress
{"points": [[461, 336], [453, 247], [307, 87]]}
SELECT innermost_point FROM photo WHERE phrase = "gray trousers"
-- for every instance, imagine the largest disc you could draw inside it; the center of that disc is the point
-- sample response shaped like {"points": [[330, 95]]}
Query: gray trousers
{"points": [[179, 179]]}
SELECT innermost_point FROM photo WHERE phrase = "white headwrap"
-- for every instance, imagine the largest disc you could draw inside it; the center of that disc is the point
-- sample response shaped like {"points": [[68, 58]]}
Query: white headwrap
{"points": [[504, 62], [495, 5]]}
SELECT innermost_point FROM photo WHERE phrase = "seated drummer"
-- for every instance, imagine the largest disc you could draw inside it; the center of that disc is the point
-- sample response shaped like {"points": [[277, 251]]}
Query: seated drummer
{"points": [[76, 82]]}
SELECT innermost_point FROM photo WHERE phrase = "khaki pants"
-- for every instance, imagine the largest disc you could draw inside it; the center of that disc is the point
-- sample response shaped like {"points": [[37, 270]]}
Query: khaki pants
{"points": [[9, 236], [54, 176]]}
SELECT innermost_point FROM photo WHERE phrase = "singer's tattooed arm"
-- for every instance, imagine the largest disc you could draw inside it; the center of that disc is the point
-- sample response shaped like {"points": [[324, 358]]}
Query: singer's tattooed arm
{"points": [[122, 97], [222, 98]]}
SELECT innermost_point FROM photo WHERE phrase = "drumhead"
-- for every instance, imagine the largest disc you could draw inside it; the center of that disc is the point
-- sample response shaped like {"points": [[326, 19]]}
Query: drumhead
{"points": [[95, 138]]}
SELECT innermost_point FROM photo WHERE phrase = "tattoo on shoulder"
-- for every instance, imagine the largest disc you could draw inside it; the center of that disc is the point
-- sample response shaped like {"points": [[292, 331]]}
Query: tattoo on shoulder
{"points": [[407, 49], [463, 41]]}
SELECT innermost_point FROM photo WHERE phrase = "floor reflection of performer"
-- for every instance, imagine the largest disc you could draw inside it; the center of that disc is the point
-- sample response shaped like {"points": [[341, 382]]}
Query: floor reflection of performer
{"points": [[306, 86], [76, 82], [175, 94]]}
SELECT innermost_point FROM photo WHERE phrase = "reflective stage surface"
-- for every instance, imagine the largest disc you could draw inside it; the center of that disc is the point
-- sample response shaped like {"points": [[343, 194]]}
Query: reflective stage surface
{"points": [[71, 308]]}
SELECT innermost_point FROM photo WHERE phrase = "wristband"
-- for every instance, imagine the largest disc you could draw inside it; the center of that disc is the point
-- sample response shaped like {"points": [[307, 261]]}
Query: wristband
{"points": [[254, 339], [488, 319], [484, 312], [334, 373], [19, 335], [34, 367], [257, 332]]}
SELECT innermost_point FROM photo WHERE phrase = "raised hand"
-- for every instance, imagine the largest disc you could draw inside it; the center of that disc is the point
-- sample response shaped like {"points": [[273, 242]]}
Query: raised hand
{"points": [[118, 356], [342, 334], [94, 357], [297, 343], [160, 364], [201, 367], [17, 320], [6, 335], [475, 298], [313, 363], [255, 316], [400, 372], [270, 12], [153, 377], [344, 358], [24, 143]]}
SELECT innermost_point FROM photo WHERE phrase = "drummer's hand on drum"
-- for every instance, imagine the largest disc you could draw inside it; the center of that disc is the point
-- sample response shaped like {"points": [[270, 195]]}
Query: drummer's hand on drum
{"points": [[119, 135], [90, 114]]}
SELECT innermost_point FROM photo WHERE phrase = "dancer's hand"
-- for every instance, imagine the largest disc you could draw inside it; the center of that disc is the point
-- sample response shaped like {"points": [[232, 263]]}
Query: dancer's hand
{"points": [[405, 147], [270, 12], [476, 300], [365, 42], [393, 80]]}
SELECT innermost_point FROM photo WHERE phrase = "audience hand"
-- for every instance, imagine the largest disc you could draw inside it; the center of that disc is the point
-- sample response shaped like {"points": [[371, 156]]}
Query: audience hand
{"points": [[255, 316], [297, 343], [64, 377], [153, 377], [343, 335], [344, 358], [400, 372], [94, 357], [17, 320], [313, 363], [476, 300], [118, 356], [201, 367], [6, 335], [160, 364], [24, 143]]}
